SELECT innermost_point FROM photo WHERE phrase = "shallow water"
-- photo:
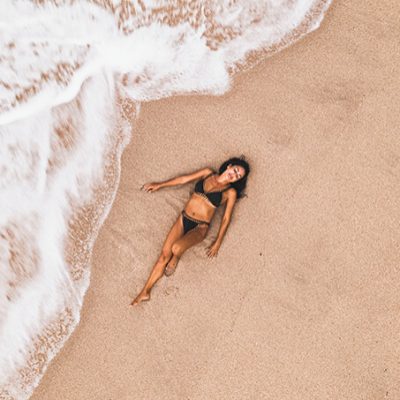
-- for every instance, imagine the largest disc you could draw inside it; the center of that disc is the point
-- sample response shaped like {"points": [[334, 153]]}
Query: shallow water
{"points": [[72, 77]]}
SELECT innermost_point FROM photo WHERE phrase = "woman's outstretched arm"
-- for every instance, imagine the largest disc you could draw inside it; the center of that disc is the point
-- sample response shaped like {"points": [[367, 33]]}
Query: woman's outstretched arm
{"points": [[179, 180], [226, 219]]}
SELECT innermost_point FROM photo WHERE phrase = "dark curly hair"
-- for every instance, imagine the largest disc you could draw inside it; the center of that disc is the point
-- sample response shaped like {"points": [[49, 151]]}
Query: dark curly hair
{"points": [[239, 185]]}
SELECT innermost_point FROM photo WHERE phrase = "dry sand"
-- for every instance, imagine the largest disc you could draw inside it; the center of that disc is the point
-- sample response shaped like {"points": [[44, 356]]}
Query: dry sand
{"points": [[303, 300]]}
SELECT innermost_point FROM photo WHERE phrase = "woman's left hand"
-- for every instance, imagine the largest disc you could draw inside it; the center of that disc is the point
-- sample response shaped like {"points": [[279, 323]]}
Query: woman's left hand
{"points": [[212, 251]]}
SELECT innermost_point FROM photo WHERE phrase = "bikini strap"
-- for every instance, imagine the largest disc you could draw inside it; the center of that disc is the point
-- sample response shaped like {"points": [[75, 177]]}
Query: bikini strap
{"points": [[202, 181]]}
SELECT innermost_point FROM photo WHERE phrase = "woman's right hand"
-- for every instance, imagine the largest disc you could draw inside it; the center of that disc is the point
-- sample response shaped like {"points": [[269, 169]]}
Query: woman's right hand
{"points": [[151, 187]]}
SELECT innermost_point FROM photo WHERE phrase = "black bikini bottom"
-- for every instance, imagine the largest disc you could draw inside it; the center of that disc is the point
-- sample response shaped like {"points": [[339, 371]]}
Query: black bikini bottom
{"points": [[190, 223]]}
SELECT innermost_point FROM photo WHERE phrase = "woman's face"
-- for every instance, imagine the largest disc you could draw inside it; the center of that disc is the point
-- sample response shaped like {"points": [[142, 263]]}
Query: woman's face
{"points": [[234, 172]]}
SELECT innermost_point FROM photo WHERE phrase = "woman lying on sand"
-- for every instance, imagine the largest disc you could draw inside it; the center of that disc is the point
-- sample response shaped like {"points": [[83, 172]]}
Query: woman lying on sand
{"points": [[211, 191]]}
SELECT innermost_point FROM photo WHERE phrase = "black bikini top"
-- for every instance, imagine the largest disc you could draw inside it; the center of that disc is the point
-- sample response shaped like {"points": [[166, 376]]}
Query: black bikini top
{"points": [[213, 197]]}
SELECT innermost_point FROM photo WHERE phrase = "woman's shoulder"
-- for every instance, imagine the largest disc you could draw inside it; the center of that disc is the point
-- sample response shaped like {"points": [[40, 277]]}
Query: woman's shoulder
{"points": [[229, 192], [210, 172]]}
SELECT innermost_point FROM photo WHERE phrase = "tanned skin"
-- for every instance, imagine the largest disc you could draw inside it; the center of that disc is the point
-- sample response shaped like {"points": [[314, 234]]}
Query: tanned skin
{"points": [[176, 242]]}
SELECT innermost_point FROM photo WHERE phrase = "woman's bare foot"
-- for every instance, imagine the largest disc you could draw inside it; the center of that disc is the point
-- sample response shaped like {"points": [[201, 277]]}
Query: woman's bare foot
{"points": [[142, 296], [171, 266]]}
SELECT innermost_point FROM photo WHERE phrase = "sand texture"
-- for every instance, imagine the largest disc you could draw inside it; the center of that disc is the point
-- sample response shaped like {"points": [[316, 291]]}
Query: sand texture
{"points": [[302, 301]]}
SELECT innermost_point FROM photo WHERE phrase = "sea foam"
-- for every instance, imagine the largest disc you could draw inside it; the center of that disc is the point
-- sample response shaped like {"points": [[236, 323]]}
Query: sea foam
{"points": [[72, 77]]}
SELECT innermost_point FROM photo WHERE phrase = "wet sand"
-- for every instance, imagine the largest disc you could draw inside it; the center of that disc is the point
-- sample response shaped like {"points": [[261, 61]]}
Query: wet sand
{"points": [[302, 300]]}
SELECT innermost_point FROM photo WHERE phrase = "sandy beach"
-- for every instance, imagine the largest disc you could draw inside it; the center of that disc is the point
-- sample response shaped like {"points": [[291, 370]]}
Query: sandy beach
{"points": [[301, 302]]}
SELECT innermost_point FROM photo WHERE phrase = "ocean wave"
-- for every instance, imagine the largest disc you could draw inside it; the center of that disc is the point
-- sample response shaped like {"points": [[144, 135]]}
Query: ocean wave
{"points": [[72, 76]]}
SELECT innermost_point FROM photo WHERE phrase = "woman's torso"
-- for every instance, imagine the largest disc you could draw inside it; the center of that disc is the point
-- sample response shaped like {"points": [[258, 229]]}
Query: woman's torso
{"points": [[205, 199]]}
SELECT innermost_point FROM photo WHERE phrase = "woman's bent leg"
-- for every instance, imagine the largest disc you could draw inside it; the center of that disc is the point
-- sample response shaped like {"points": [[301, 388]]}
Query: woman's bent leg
{"points": [[158, 269], [191, 238], [156, 272]]}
